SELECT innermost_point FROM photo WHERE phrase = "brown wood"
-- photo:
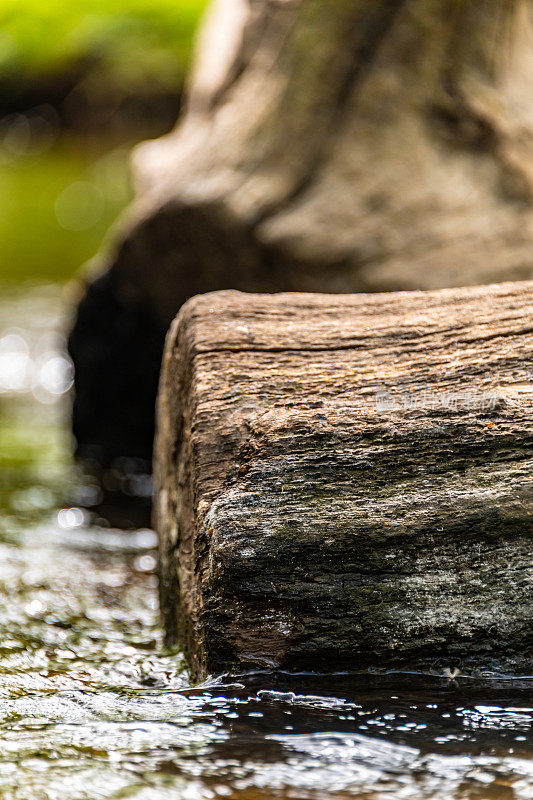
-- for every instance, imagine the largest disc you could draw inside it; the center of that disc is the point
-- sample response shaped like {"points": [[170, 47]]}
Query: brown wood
{"points": [[345, 145], [346, 481]]}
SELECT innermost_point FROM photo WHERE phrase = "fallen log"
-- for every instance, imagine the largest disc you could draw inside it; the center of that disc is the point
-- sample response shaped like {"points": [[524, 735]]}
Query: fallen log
{"points": [[346, 481]]}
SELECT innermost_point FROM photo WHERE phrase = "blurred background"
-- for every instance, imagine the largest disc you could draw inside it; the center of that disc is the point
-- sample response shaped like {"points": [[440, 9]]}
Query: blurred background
{"points": [[79, 84]]}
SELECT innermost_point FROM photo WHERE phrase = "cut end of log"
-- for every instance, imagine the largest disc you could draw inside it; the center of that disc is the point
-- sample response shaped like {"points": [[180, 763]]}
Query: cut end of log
{"points": [[345, 482]]}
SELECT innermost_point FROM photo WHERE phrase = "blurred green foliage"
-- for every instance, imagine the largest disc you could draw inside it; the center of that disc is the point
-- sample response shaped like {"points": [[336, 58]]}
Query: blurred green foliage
{"points": [[39, 238], [64, 168], [134, 40]]}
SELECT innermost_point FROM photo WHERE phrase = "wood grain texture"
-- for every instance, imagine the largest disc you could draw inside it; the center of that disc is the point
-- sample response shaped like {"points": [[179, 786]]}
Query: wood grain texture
{"points": [[345, 481]]}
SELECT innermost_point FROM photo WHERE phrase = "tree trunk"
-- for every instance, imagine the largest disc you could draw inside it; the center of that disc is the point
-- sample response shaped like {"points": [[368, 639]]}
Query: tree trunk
{"points": [[328, 145], [345, 482]]}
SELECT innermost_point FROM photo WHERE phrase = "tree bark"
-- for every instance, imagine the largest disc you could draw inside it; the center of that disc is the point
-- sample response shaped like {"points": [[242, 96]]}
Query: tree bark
{"points": [[328, 145], [346, 481]]}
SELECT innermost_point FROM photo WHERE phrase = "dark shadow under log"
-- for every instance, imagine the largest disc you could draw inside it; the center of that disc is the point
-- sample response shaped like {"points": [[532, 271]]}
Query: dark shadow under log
{"points": [[346, 481]]}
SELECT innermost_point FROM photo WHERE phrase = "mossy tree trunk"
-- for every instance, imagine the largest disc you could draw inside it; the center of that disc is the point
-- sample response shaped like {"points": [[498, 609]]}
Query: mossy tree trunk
{"points": [[328, 145]]}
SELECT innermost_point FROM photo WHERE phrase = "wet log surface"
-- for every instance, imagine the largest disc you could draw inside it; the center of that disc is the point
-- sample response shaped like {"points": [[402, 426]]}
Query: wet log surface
{"points": [[346, 481]]}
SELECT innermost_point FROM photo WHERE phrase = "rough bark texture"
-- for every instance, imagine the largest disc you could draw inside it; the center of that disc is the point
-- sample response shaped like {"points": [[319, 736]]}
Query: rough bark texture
{"points": [[328, 145], [305, 525]]}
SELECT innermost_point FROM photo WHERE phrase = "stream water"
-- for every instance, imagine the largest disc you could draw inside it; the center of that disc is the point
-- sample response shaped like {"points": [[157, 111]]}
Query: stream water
{"points": [[91, 705]]}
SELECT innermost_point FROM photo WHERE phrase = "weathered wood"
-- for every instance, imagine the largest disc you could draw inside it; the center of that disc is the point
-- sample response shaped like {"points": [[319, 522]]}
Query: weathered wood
{"points": [[327, 146], [308, 521]]}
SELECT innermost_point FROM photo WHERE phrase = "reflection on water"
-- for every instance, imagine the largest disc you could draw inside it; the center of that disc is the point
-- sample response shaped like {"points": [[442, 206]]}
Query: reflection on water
{"points": [[93, 708]]}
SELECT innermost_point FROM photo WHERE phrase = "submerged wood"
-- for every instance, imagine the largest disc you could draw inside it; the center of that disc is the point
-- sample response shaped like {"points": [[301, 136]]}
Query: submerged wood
{"points": [[346, 481]]}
